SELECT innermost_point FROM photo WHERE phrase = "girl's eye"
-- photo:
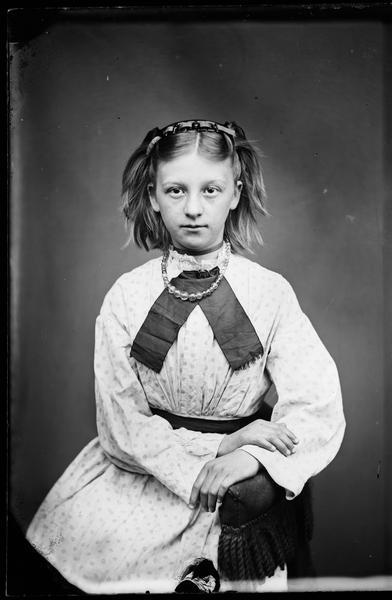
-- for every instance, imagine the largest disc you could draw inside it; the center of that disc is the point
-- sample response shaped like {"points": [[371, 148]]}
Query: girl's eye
{"points": [[175, 192], [211, 191]]}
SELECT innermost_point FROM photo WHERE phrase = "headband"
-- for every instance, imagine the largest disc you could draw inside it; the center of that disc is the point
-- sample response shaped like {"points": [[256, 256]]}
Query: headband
{"points": [[191, 125]]}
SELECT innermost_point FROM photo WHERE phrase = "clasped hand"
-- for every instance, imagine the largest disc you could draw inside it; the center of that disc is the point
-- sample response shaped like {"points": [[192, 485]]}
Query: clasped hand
{"points": [[218, 475], [265, 434], [233, 464]]}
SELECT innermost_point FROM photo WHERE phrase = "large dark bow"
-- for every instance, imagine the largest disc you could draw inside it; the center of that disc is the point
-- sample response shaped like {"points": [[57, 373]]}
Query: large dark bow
{"points": [[232, 328]]}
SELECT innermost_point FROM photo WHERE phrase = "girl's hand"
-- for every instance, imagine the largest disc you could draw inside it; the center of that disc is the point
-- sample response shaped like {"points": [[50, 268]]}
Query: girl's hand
{"points": [[218, 475], [271, 436]]}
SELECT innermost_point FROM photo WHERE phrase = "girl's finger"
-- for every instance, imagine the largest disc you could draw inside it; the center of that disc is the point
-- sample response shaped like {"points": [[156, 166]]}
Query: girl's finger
{"points": [[211, 501], [288, 432], [214, 489], [215, 498], [224, 486], [292, 436], [194, 499], [267, 445], [203, 500], [284, 437], [288, 442], [195, 493], [205, 491], [280, 445]]}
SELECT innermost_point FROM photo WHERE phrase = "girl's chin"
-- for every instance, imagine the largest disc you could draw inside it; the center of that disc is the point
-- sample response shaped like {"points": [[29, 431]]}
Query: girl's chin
{"points": [[195, 241]]}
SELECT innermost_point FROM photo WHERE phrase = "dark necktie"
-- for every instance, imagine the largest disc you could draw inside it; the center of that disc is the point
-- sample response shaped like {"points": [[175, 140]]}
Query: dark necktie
{"points": [[230, 324]]}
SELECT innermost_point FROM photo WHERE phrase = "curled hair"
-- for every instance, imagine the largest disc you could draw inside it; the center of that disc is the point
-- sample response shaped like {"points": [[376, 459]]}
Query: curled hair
{"points": [[146, 226]]}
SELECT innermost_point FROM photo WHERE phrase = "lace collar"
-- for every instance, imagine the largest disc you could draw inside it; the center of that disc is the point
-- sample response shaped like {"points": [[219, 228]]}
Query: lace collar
{"points": [[187, 262]]}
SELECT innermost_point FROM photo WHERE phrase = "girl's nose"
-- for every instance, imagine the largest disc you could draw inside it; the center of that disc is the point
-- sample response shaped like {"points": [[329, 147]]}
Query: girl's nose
{"points": [[193, 206]]}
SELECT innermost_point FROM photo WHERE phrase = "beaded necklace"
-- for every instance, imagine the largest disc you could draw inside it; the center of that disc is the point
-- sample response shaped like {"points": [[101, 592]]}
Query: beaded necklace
{"points": [[193, 297]]}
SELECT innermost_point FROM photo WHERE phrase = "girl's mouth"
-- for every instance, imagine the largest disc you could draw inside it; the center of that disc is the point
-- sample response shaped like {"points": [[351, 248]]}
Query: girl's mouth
{"points": [[193, 226]]}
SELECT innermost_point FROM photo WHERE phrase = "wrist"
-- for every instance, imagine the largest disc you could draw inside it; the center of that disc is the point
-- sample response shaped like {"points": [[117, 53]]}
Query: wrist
{"points": [[239, 438], [226, 445], [223, 446], [230, 442], [252, 458]]}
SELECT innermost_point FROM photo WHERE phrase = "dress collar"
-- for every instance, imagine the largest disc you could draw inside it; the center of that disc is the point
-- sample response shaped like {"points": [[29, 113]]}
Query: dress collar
{"points": [[187, 262]]}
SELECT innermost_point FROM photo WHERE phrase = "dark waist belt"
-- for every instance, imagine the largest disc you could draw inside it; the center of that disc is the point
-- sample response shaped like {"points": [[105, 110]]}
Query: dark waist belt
{"points": [[204, 425]]}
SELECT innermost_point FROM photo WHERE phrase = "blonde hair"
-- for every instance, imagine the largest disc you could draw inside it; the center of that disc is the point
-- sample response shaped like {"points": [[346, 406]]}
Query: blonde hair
{"points": [[146, 226]]}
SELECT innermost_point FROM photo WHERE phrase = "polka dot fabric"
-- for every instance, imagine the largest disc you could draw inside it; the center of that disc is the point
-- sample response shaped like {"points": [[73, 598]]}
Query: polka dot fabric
{"points": [[118, 520]]}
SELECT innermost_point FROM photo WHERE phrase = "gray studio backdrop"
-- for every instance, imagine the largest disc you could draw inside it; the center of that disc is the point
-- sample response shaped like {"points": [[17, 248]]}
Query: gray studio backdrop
{"points": [[83, 95]]}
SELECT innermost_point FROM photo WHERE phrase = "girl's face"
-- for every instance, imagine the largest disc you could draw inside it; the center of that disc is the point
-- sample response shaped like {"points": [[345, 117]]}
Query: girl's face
{"points": [[194, 196]]}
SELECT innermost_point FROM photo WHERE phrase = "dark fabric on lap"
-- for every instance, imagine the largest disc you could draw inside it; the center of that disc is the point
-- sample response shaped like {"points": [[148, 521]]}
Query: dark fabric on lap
{"points": [[204, 425], [232, 328]]}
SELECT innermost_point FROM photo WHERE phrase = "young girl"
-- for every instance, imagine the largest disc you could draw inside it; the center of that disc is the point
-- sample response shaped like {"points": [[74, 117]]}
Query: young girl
{"points": [[187, 345]]}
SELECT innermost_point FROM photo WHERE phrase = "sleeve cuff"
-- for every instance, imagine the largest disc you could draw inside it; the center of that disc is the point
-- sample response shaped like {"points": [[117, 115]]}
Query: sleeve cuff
{"points": [[201, 448], [281, 468]]}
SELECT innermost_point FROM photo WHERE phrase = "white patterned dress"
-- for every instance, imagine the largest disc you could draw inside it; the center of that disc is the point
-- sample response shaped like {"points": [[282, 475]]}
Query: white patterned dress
{"points": [[118, 520]]}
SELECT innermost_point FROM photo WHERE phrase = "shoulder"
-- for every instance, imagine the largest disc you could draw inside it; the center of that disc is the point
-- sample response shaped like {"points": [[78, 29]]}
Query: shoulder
{"points": [[132, 285], [258, 276], [264, 294], [138, 274]]}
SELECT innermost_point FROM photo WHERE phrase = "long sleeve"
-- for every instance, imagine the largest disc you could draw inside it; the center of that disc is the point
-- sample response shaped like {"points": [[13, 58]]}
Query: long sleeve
{"points": [[129, 434], [309, 398]]}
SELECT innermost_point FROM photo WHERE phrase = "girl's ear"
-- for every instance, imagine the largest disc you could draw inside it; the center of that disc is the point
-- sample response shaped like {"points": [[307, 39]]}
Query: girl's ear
{"points": [[236, 195], [152, 196]]}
